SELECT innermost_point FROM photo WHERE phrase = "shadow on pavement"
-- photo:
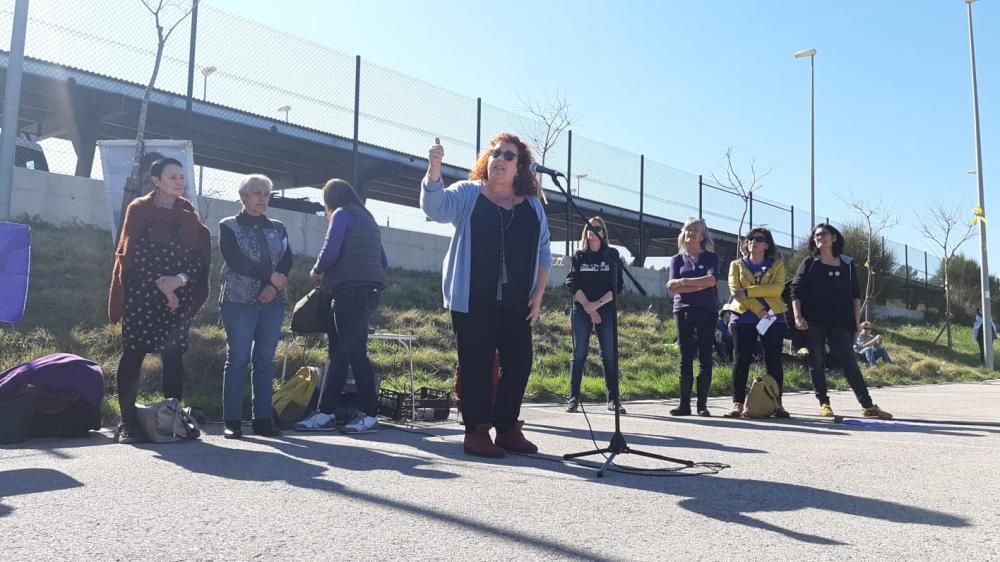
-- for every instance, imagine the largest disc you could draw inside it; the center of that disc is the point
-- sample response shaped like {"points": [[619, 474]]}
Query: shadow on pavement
{"points": [[32, 481]]}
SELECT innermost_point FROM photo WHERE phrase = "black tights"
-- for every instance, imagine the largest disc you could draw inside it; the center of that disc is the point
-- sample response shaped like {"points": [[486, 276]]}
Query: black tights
{"points": [[129, 369]]}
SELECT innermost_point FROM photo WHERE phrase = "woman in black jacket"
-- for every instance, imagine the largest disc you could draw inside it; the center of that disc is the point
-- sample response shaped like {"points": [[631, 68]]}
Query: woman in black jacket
{"points": [[826, 301], [590, 281]]}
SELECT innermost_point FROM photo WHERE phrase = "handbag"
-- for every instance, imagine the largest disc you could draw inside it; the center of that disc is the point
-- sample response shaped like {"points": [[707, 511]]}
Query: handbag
{"points": [[311, 314], [167, 421]]}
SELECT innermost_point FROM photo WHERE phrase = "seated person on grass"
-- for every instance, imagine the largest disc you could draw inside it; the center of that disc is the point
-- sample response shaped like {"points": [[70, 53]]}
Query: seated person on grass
{"points": [[870, 346]]}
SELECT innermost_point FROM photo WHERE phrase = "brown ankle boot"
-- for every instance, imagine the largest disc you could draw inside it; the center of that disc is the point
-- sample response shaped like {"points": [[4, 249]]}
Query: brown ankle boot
{"points": [[513, 440], [480, 444]]}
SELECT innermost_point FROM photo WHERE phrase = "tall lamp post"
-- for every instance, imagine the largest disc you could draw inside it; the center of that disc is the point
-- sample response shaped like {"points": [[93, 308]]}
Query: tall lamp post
{"points": [[811, 53], [578, 178], [205, 72], [981, 210], [285, 109]]}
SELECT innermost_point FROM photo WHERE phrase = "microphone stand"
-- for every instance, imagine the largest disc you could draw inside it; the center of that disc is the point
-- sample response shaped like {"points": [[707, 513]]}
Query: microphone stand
{"points": [[618, 445]]}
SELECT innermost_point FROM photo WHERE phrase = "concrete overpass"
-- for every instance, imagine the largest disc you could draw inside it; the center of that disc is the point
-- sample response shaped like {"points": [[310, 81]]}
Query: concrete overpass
{"points": [[84, 107]]}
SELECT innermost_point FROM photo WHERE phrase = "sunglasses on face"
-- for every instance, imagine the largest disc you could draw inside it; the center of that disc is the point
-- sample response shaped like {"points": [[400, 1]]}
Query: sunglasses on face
{"points": [[507, 154], [821, 234], [757, 239], [597, 229]]}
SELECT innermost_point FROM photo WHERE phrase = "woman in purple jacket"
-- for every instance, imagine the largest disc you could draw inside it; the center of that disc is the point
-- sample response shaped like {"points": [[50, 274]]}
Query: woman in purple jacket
{"points": [[694, 272], [351, 267]]}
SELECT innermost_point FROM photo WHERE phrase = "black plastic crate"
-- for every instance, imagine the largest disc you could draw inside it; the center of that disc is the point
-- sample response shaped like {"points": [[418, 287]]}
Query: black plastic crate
{"points": [[430, 404]]}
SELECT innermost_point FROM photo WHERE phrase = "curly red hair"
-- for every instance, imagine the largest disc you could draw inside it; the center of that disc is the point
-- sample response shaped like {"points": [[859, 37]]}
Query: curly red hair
{"points": [[525, 183]]}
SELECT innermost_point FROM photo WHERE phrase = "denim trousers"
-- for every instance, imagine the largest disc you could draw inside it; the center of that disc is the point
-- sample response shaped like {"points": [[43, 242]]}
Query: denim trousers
{"points": [[582, 327], [873, 354], [252, 334]]}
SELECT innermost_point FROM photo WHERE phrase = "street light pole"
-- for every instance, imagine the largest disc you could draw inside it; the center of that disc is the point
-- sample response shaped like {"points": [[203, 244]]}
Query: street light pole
{"points": [[578, 178], [811, 53], [205, 72], [981, 211], [286, 109]]}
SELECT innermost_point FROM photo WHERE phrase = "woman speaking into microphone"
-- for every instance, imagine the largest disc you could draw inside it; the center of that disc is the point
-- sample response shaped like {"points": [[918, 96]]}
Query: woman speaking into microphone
{"points": [[493, 278]]}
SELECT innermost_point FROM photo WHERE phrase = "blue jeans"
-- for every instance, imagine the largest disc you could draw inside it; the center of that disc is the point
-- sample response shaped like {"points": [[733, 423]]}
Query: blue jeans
{"points": [[252, 333], [873, 354], [582, 326]]}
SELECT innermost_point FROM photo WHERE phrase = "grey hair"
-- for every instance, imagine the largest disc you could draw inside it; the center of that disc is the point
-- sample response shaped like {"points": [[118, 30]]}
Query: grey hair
{"points": [[254, 180], [707, 242]]}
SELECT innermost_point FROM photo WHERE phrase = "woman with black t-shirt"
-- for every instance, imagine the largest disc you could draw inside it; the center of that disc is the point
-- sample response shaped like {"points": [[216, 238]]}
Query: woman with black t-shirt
{"points": [[590, 281], [826, 300]]}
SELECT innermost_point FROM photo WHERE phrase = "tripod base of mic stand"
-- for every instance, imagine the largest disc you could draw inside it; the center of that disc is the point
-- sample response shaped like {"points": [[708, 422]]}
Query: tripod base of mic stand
{"points": [[617, 447]]}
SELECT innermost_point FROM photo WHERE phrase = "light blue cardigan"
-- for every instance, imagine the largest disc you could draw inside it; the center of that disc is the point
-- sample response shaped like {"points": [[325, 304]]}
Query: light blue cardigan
{"points": [[454, 205]]}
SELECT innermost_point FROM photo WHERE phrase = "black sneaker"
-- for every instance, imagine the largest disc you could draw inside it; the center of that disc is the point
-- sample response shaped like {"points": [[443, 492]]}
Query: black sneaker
{"points": [[681, 411], [265, 428], [128, 435], [611, 407], [703, 412], [573, 406], [233, 430]]}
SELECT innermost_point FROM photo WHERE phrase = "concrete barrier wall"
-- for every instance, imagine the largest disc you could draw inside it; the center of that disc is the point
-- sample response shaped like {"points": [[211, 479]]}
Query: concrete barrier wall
{"points": [[61, 200]]}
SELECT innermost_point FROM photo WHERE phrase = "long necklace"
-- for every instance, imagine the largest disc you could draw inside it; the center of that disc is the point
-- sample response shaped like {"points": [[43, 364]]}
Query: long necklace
{"points": [[503, 279]]}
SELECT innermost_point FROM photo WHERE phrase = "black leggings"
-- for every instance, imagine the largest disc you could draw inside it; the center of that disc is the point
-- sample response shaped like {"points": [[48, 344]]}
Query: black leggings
{"points": [[129, 369]]}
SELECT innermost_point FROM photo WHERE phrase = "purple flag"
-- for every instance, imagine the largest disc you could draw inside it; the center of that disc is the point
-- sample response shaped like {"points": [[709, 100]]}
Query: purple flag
{"points": [[15, 261]]}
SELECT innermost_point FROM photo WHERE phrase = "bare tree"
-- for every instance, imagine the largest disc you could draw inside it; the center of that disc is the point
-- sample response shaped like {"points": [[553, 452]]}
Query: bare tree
{"points": [[742, 186], [942, 226], [555, 114], [875, 221], [159, 10]]}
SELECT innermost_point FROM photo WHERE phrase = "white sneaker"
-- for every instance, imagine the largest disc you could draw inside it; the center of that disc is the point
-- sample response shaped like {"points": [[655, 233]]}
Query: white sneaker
{"points": [[318, 422], [362, 423]]}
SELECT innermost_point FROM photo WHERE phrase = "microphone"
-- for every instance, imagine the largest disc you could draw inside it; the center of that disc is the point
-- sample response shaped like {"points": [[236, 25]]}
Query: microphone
{"points": [[537, 168]]}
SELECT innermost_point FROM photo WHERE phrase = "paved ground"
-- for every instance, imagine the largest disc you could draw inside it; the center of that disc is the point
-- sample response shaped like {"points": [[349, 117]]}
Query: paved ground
{"points": [[797, 489]]}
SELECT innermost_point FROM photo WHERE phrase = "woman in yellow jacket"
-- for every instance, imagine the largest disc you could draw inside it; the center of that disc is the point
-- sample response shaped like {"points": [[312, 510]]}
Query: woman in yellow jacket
{"points": [[756, 281]]}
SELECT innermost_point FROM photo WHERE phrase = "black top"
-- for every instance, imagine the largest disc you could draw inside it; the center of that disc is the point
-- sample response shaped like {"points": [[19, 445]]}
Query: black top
{"points": [[500, 235], [591, 273], [239, 262], [826, 293]]}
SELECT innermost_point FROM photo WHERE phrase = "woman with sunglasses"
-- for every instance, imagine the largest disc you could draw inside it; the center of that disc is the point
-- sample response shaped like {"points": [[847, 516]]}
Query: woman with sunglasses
{"points": [[494, 275], [594, 280], [694, 273], [826, 301], [756, 281]]}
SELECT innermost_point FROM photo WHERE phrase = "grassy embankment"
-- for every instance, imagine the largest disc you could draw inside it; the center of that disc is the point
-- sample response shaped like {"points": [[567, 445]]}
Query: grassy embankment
{"points": [[67, 312]]}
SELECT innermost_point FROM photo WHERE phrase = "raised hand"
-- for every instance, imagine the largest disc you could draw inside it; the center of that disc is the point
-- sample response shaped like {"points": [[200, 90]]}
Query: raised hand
{"points": [[434, 157]]}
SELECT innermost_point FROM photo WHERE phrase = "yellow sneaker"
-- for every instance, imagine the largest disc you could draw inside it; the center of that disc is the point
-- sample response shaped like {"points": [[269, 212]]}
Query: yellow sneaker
{"points": [[874, 411], [736, 411], [825, 410]]}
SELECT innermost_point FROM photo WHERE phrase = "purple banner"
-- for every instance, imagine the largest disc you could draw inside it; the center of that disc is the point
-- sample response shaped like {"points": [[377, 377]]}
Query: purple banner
{"points": [[15, 261]]}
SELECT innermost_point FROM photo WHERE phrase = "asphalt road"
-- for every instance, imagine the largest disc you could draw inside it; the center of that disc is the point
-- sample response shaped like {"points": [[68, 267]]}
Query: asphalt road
{"points": [[803, 488]]}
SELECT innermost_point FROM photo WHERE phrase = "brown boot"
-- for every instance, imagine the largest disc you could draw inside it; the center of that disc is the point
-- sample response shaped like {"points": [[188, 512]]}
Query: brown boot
{"points": [[513, 440], [480, 444]]}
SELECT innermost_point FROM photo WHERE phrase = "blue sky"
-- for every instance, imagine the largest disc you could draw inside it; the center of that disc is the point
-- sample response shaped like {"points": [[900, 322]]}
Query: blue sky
{"points": [[682, 81]]}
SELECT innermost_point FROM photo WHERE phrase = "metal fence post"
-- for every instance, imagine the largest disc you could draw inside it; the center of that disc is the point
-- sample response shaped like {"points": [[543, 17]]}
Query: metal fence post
{"points": [[11, 100], [569, 190], [188, 110], [641, 258], [792, 214], [701, 185], [906, 271], [357, 114], [479, 124]]}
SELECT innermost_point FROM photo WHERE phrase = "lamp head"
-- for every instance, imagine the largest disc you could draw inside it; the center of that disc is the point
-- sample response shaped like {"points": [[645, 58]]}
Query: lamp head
{"points": [[805, 53], [208, 71]]}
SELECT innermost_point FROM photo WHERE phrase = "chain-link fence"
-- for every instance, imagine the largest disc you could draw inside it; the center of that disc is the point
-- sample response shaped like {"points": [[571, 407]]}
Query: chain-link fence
{"points": [[252, 68]]}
